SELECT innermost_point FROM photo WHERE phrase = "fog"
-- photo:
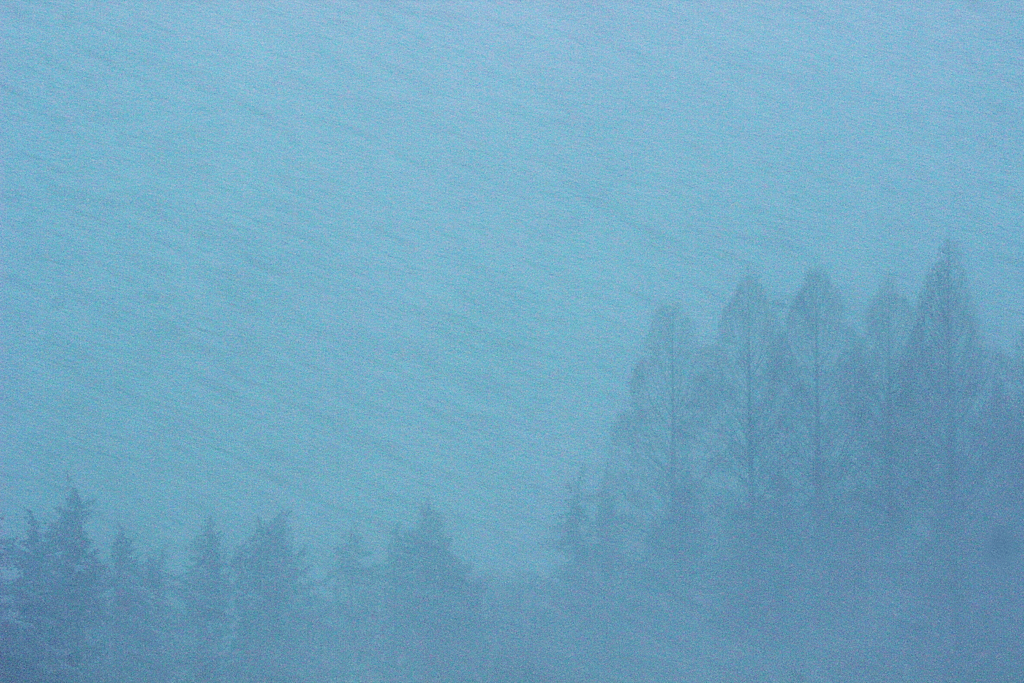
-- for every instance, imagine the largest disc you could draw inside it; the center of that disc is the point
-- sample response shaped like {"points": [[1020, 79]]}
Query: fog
{"points": [[344, 259]]}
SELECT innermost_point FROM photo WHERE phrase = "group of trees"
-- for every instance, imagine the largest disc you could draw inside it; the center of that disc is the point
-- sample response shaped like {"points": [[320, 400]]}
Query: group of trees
{"points": [[827, 490], [257, 614], [801, 498]]}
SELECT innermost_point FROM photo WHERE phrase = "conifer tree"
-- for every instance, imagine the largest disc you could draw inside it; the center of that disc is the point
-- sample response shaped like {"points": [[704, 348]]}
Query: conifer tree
{"points": [[355, 589], [664, 428], [137, 629], [871, 391], [433, 603], [271, 601], [747, 383], [71, 600], [206, 593]]}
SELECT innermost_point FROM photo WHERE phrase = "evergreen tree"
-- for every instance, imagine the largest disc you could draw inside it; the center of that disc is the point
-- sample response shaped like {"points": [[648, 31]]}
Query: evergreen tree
{"points": [[69, 603], [206, 593], [137, 629], [748, 388], [56, 595], [433, 604], [663, 430], [23, 656], [271, 605], [750, 383], [355, 590]]}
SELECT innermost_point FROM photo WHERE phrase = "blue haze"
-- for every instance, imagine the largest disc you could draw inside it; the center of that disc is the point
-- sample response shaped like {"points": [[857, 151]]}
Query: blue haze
{"points": [[342, 258]]}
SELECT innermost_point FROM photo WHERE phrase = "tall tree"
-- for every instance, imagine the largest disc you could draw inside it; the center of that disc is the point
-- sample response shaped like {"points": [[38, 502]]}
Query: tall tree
{"points": [[72, 591], [663, 425], [137, 628], [24, 655], [432, 606], [817, 337], [355, 588], [57, 593], [271, 604], [748, 387], [751, 385], [206, 593], [943, 380], [871, 391]]}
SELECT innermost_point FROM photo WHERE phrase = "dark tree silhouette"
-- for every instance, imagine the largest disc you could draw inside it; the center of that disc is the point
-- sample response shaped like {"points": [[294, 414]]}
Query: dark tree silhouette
{"points": [[433, 603], [750, 383], [206, 595], [871, 390], [24, 656], [70, 600], [137, 630], [355, 590], [271, 604], [747, 389], [661, 475]]}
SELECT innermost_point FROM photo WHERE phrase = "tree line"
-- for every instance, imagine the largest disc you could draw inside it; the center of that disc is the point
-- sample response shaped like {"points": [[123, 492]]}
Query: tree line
{"points": [[801, 498]]}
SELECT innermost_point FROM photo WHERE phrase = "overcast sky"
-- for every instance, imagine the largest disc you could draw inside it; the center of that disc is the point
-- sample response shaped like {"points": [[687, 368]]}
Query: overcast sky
{"points": [[343, 258]]}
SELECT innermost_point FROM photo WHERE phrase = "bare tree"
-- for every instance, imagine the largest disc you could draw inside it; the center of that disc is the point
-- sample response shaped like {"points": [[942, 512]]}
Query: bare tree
{"points": [[747, 389], [664, 415], [943, 382], [817, 336], [871, 389]]}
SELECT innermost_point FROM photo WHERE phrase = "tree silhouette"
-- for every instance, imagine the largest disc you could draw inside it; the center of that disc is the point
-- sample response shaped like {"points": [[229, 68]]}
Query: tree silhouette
{"points": [[271, 601], [944, 377], [817, 338], [355, 589], [747, 386], [433, 604], [206, 594], [24, 654], [138, 624], [661, 431], [872, 386], [72, 602]]}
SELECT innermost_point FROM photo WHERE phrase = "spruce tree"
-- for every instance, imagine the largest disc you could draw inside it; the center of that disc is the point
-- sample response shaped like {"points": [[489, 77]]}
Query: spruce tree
{"points": [[206, 593], [271, 595]]}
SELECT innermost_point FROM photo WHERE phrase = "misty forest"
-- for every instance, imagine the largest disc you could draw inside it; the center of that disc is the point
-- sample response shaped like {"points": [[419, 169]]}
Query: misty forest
{"points": [[803, 498], [504, 342]]}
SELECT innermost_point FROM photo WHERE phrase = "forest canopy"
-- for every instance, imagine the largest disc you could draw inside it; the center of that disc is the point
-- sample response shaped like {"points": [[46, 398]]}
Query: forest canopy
{"points": [[807, 496]]}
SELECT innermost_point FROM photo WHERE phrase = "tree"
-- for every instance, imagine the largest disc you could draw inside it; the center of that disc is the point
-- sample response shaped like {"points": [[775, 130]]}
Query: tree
{"points": [[872, 385], [137, 627], [817, 337], [57, 594], [355, 590], [575, 535], [433, 603], [206, 593], [271, 603], [662, 429], [590, 535], [23, 656], [73, 583], [944, 378], [748, 385]]}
